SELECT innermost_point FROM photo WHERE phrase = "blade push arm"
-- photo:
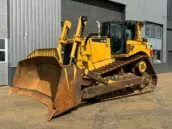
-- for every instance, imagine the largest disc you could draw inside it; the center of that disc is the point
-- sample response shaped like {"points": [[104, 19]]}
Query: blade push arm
{"points": [[62, 40], [82, 22]]}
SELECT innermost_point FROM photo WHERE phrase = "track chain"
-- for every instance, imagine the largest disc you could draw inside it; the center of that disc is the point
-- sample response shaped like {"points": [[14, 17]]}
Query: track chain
{"points": [[127, 91]]}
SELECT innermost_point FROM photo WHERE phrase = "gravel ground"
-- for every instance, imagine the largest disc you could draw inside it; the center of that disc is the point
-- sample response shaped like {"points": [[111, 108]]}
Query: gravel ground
{"points": [[148, 111]]}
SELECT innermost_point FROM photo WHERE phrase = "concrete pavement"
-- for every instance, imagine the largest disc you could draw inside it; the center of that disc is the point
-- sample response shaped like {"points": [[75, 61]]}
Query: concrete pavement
{"points": [[147, 111]]}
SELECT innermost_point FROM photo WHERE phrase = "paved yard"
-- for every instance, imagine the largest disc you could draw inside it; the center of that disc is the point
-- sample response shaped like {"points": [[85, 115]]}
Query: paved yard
{"points": [[148, 111]]}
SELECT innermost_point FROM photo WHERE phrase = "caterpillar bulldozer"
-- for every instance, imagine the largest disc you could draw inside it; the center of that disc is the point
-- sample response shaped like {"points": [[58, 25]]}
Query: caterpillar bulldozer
{"points": [[112, 63]]}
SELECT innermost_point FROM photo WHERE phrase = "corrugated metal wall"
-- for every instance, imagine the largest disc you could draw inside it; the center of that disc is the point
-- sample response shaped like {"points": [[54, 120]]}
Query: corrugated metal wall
{"points": [[3, 73], [33, 24], [3, 19]]}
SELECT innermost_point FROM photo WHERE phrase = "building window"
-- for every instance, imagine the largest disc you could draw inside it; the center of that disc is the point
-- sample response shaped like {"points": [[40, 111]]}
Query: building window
{"points": [[158, 31], [157, 56], [154, 34], [2, 50], [2, 44], [153, 30], [148, 30], [2, 55]]}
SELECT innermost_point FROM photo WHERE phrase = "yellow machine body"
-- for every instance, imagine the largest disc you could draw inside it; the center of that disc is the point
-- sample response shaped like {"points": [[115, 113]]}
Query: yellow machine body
{"points": [[45, 77], [97, 54]]}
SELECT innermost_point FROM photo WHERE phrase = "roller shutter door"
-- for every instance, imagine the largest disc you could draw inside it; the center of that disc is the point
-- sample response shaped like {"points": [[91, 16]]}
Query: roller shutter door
{"points": [[101, 10]]}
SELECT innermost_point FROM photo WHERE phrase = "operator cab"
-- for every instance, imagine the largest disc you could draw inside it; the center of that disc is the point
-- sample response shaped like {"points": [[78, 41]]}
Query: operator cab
{"points": [[119, 33]]}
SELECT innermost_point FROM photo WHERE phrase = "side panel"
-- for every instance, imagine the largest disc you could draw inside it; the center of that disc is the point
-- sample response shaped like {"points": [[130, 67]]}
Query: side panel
{"points": [[100, 52], [134, 47]]}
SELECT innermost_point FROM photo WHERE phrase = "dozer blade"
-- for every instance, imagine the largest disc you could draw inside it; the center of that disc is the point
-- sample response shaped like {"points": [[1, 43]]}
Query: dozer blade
{"points": [[46, 80]]}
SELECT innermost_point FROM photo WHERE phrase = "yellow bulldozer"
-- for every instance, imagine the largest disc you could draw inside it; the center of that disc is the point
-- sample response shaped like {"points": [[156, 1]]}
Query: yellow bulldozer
{"points": [[112, 63]]}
